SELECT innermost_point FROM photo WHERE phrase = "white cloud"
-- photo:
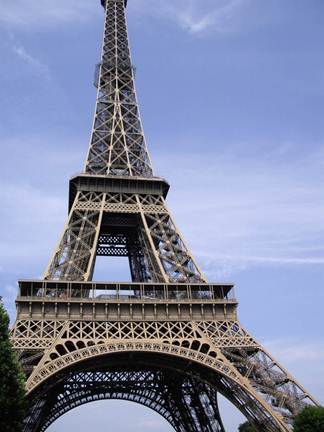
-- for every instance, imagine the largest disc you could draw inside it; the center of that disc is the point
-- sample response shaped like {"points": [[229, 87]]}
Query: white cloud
{"points": [[37, 66], [295, 351], [34, 204], [32, 215], [298, 356], [270, 213], [32, 219], [194, 16], [240, 211], [37, 204], [44, 13]]}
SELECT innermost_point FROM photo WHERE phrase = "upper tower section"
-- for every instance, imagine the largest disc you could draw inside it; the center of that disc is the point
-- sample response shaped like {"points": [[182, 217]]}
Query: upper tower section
{"points": [[103, 2], [117, 144]]}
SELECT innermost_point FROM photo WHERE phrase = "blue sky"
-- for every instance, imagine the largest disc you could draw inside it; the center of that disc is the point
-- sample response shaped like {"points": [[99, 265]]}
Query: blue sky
{"points": [[232, 98]]}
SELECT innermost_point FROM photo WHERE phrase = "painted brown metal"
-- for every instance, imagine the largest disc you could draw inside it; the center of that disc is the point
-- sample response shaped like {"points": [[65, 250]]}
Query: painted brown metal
{"points": [[169, 339]]}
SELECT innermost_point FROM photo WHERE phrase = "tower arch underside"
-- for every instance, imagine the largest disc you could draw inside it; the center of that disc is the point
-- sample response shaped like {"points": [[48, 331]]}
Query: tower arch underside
{"points": [[109, 383], [166, 390], [158, 376]]}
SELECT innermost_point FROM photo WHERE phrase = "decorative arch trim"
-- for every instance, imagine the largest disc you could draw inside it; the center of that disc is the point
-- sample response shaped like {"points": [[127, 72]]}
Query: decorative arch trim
{"points": [[218, 363], [71, 358]]}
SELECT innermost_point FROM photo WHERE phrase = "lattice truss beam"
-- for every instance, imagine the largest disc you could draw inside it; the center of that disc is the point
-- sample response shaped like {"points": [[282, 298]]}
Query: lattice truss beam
{"points": [[217, 356], [117, 144], [250, 377], [172, 395], [142, 224]]}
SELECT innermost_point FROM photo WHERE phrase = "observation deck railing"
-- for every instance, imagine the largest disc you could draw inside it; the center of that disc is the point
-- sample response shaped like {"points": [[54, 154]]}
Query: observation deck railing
{"points": [[125, 292]]}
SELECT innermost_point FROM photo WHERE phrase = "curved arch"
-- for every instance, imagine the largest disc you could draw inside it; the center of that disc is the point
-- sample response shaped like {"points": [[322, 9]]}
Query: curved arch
{"points": [[169, 392], [245, 396], [146, 401], [52, 365]]}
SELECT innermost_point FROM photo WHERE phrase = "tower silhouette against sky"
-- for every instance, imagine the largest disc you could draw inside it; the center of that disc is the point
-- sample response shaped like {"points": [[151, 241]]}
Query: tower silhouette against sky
{"points": [[169, 340]]}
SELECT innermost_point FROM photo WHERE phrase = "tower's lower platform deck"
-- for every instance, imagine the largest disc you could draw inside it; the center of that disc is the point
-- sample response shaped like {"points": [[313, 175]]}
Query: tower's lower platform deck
{"points": [[119, 301]]}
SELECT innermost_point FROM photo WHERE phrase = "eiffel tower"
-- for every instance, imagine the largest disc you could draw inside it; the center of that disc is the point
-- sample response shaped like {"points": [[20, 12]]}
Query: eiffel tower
{"points": [[168, 340]]}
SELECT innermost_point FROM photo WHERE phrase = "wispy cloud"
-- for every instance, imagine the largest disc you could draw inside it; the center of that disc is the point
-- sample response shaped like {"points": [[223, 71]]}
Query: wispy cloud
{"points": [[194, 16], [271, 213], [297, 356], [221, 267], [45, 13], [40, 212], [296, 351], [35, 64], [244, 212], [32, 212], [250, 210]]}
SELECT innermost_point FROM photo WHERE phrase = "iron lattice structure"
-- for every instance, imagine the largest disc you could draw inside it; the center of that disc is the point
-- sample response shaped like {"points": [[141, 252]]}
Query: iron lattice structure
{"points": [[169, 339]]}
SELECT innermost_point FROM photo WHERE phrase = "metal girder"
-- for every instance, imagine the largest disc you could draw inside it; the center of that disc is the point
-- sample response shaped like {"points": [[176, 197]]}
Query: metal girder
{"points": [[172, 395], [180, 335], [244, 372], [164, 255], [117, 144]]}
